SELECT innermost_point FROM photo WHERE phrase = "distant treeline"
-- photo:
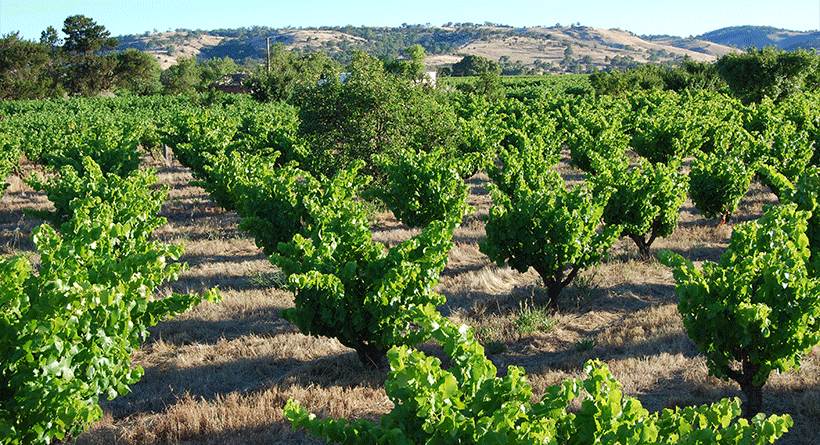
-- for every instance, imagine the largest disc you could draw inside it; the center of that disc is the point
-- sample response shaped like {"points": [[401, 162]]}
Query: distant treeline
{"points": [[386, 43], [86, 63], [751, 76]]}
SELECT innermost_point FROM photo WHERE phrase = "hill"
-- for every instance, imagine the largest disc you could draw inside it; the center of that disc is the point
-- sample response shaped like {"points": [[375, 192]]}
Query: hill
{"points": [[761, 36], [519, 50]]}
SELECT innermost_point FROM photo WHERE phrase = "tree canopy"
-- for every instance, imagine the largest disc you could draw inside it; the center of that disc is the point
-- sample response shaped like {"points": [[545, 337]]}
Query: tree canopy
{"points": [[84, 63], [371, 112], [86, 37], [472, 65], [24, 69], [768, 73]]}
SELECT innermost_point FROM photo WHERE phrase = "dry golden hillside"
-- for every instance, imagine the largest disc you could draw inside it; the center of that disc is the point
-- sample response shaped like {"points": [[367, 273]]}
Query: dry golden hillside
{"points": [[527, 45]]}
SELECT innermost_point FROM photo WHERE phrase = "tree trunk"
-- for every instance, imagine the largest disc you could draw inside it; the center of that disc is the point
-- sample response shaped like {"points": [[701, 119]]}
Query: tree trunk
{"points": [[554, 289], [552, 284], [371, 356], [643, 246], [753, 393], [555, 283], [754, 400]]}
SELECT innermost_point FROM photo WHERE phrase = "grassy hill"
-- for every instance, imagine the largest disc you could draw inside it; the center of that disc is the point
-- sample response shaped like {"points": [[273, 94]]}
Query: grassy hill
{"points": [[762, 36], [526, 50]]}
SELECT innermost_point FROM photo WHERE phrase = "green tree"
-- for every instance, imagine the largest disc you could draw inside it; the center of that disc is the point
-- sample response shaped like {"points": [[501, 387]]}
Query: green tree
{"points": [[181, 78], [489, 85], [644, 77], [289, 71], [690, 75], [646, 201], [693, 75], [423, 187], [346, 286], [24, 69], [138, 72], [212, 69], [84, 36], [536, 221], [767, 73], [593, 129], [472, 65], [89, 63], [413, 68], [416, 56], [54, 43], [370, 112], [664, 130], [50, 38], [717, 183]]}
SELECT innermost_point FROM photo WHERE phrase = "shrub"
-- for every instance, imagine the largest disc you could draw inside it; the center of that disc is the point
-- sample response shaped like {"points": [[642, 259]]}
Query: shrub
{"points": [[757, 309], [423, 187], [345, 287], [67, 330], [469, 403], [717, 183], [645, 201], [537, 222]]}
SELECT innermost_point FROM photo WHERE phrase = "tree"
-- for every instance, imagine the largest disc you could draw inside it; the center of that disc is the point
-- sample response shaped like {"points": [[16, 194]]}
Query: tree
{"points": [[54, 43], [664, 130], [594, 131], [693, 75], [87, 55], [24, 69], [138, 72], [50, 38], [646, 201], [86, 37], [472, 65], [538, 222], [182, 78], [289, 71], [717, 183], [413, 68], [371, 112], [416, 68], [346, 286], [423, 187], [767, 73], [690, 75], [211, 70], [489, 85]]}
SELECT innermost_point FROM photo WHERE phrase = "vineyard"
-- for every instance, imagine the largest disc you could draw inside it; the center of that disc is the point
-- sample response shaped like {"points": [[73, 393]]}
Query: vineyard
{"points": [[550, 267]]}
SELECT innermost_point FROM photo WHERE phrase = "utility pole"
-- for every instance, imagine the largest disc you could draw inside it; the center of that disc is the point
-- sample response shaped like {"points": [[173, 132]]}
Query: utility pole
{"points": [[267, 45]]}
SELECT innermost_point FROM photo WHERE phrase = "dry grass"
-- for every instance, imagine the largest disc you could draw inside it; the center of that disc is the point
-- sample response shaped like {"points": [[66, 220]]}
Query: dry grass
{"points": [[599, 44], [221, 373]]}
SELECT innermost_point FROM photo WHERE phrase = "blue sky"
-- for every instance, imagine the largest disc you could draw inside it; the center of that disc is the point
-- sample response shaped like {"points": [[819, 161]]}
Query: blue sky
{"points": [[681, 18]]}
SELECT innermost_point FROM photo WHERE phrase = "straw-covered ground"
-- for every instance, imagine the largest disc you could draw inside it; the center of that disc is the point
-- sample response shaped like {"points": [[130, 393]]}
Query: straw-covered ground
{"points": [[221, 373]]}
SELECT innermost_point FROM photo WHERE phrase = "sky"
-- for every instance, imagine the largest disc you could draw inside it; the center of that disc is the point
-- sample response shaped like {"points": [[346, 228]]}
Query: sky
{"points": [[678, 18]]}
